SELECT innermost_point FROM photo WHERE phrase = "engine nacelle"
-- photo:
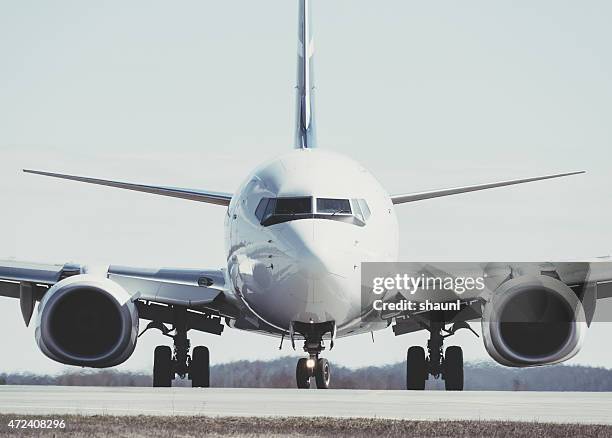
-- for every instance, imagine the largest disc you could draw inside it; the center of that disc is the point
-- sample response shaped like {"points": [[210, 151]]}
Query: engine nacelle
{"points": [[88, 321], [533, 320]]}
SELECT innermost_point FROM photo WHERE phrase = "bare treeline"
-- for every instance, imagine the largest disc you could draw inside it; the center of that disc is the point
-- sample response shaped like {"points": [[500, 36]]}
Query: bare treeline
{"points": [[80, 377], [280, 373]]}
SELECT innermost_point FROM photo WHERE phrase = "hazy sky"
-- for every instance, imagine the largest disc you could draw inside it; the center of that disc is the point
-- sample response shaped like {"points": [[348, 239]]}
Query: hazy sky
{"points": [[196, 93]]}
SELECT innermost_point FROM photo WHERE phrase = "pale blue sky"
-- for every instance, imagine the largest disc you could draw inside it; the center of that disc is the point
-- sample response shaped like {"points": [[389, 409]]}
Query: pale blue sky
{"points": [[196, 93]]}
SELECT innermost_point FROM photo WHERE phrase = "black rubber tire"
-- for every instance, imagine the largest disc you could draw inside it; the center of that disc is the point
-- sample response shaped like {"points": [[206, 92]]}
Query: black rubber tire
{"points": [[453, 369], [162, 367], [416, 369], [302, 374], [199, 368], [322, 373]]}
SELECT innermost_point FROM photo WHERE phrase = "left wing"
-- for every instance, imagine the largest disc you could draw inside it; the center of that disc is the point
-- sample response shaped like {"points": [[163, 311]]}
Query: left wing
{"points": [[420, 196], [209, 197]]}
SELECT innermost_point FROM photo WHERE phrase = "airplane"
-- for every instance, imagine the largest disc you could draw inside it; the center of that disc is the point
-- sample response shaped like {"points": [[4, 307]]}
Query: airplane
{"points": [[296, 232]]}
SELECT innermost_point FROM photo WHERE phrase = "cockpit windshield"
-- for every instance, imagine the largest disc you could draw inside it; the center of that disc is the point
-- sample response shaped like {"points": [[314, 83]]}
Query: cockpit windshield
{"points": [[272, 211], [333, 206], [293, 205]]}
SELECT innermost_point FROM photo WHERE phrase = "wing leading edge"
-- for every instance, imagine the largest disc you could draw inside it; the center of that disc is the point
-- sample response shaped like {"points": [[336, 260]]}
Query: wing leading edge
{"points": [[218, 198], [420, 196]]}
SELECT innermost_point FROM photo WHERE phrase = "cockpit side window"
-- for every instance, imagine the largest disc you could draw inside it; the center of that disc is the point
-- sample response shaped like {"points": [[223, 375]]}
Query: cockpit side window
{"points": [[261, 208], [365, 209], [357, 209], [270, 208], [361, 210]]}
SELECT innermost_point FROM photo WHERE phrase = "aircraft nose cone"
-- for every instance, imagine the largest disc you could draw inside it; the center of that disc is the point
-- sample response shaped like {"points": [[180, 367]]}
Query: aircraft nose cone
{"points": [[324, 275]]}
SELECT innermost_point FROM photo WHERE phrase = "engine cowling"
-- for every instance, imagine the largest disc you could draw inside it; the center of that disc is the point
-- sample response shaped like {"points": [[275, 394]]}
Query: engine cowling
{"points": [[533, 320], [88, 321]]}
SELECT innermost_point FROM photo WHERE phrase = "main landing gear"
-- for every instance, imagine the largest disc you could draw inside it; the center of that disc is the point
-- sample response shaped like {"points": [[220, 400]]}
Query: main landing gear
{"points": [[447, 364], [167, 363], [313, 365]]}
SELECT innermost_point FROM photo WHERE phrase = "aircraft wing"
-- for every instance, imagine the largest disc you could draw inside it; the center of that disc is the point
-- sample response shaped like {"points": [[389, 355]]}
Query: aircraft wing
{"points": [[420, 196], [209, 197], [202, 290], [594, 276]]}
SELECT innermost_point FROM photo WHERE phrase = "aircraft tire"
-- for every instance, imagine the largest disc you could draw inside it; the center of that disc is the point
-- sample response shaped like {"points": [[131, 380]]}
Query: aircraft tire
{"points": [[162, 367], [200, 367], [322, 373], [453, 369], [416, 369], [302, 374]]}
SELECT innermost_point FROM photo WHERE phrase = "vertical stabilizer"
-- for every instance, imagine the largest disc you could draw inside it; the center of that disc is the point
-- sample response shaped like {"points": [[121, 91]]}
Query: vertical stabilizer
{"points": [[305, 134]]}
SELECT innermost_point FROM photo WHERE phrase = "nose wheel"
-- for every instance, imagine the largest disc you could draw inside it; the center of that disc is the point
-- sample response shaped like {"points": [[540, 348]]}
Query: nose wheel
{"points": [[322, 373], [303, 374], [307, 368]]}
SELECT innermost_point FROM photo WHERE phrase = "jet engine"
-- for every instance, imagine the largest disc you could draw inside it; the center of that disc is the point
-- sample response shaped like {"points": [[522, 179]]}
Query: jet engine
{"points": [[88, 321], [533, 320]]}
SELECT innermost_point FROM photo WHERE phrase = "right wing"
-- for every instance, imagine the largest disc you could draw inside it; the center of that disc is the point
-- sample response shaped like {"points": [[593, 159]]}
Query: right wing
{"points": [[200, 290], [218, 198]]}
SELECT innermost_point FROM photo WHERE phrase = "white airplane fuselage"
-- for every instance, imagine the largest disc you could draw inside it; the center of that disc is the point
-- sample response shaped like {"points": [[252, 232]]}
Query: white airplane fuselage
{"points": [[307, 268]]}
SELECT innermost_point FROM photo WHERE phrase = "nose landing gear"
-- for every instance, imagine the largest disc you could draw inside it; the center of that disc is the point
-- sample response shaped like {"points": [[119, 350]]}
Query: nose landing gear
{"points": [[313, 365], [438, 363]]}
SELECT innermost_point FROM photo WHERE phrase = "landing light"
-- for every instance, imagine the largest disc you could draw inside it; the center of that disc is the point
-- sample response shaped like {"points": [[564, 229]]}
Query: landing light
{"points": [[310, 363]]}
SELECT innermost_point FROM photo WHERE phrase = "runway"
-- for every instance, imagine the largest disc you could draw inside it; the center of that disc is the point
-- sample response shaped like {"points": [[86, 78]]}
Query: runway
{"points": [[591, 408]]}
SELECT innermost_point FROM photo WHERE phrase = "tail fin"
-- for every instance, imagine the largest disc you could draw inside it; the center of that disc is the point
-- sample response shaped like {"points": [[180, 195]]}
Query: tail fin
{"points": [[305, 133]]}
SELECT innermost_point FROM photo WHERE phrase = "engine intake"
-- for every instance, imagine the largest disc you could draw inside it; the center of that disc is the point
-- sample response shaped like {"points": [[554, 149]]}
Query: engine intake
{"points": [[87, 321], [533, 320]]}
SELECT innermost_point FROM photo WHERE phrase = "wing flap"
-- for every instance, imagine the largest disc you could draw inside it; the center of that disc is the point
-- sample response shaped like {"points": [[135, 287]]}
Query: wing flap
{"points": [[30, 272], [604, 290], [10, 290]]}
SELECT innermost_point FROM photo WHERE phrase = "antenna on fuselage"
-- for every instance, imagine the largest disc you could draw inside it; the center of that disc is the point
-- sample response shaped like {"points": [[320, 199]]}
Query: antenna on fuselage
{"points": [[305, 133]]}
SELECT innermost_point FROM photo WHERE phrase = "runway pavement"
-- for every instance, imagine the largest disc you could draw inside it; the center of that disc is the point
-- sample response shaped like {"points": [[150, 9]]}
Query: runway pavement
{"points": [[569, 407]]}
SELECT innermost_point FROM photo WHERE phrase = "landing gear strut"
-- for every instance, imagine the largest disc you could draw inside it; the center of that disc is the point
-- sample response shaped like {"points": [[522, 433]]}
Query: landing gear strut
{"points": [[167, 364], [438, 363]]}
